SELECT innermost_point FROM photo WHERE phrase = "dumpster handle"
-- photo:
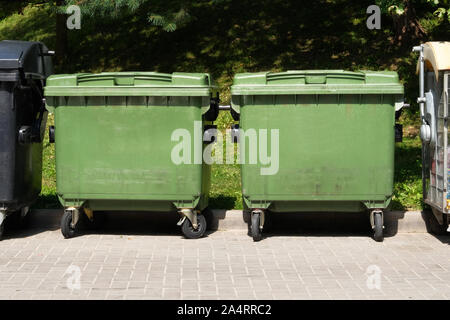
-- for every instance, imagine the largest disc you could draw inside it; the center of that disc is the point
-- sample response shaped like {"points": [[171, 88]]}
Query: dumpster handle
{"points": [[427, 130], [48, 54], [41, 121], [235, 131], [421, 99]]}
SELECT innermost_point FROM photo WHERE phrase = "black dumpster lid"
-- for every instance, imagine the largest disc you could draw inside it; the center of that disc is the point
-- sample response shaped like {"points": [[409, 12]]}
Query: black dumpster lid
{"points": [[28, 56]]}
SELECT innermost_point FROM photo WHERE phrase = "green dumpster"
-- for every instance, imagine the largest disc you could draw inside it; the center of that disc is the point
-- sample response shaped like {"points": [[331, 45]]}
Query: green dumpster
{"points": [[116, 136], [332, 133]]}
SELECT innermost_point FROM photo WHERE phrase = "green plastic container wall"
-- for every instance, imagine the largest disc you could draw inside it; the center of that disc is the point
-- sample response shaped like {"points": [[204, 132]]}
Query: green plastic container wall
{"points": [[113, 135], [336, 139]]}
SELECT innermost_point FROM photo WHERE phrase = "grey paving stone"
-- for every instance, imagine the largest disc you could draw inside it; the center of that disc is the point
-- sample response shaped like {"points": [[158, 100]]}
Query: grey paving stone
{"points": [[225, 265]]}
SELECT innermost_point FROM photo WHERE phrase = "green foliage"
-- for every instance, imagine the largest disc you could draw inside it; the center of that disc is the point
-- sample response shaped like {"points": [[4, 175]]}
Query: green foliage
{"points": [[170, 20], [166, 14], [440, 8], [442, 12], [101, 8], [8, 8], [32, 23]]}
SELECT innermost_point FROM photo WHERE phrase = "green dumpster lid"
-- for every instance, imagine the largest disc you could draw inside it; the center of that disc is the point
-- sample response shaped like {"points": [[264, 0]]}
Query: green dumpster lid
{"points": [[130, 84], [317, 82]]}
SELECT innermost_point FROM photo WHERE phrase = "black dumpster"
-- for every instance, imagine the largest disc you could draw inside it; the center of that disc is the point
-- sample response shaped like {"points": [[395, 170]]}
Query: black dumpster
{"points": [[24, 67]]}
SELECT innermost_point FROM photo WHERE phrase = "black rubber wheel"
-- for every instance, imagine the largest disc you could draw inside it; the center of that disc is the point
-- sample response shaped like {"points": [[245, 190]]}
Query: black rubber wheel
{"points": [[66, 225], [256, 230], [189, 232], [211, 222], [435, 227], [2, 229], [378, 224]]}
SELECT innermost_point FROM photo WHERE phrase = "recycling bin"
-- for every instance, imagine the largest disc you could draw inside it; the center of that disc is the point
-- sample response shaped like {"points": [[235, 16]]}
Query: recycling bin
{"points": [[316, 141], [132, 141], [24, 67], [434, 76]]}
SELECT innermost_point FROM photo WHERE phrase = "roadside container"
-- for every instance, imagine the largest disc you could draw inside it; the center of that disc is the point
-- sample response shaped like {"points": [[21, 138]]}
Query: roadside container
{"points": [[117, 143], [315, 141], [434, 76], [24, 67]]}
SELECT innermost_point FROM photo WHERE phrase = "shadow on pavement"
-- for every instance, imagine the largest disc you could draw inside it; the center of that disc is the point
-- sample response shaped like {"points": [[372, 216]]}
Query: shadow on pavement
{"points": [[339, 224], [35, 222], [313, 224], [111, 223], [429, 221], [277, 225]]}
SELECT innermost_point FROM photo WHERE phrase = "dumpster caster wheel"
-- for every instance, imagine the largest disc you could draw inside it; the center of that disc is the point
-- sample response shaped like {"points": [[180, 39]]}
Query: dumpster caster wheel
{"points": [[256, 227], [211, 224], [189, 231], [378, 226], [2, 229], [67, 229]]}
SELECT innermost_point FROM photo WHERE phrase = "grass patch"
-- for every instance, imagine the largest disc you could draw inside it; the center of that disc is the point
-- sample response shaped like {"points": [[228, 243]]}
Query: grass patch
{"points": [[408, 175], [226, 188], [48, 198]]}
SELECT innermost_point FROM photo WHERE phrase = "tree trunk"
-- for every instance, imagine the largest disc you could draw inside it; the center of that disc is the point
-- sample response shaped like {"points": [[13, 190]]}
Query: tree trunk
{"points": [[61, 37], [408, 29]]}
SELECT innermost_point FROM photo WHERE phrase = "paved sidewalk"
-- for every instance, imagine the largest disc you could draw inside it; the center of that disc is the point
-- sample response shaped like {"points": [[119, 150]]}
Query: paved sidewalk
{"points": [[132, 263]]}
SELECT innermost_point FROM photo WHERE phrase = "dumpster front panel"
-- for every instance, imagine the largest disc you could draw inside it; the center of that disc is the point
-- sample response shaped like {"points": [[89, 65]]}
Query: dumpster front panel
{"points": [[111, 150], [21, 162], [7, 142], [24, 66], [335, 150], [122, 152], [331, 150]]}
